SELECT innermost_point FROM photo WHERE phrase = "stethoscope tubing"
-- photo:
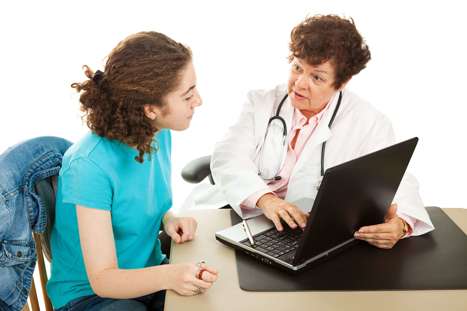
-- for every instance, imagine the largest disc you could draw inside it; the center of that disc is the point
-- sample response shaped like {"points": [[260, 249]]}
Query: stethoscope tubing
{"points": [[284, 131]]}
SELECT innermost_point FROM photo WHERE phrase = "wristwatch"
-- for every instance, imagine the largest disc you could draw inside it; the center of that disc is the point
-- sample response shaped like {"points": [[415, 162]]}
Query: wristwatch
{"points": [[405, 229]]}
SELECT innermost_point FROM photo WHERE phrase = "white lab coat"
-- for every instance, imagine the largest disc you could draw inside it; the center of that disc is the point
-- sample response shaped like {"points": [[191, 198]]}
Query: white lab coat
{"points": [[358, 129]]}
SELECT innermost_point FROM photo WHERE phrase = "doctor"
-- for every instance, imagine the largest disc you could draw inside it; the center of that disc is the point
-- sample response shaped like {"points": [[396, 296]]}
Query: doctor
{"points": [[285, 138]]}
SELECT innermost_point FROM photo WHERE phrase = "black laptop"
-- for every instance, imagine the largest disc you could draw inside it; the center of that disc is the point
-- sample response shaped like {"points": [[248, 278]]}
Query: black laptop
{"points": [[352, 194]]}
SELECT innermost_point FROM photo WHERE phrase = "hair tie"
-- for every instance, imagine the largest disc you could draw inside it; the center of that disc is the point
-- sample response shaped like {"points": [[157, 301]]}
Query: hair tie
{"points": [[97, 77]]}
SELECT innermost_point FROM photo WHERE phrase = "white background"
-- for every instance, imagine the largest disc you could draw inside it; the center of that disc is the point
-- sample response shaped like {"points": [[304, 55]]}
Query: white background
{"points": [[416, 75]]}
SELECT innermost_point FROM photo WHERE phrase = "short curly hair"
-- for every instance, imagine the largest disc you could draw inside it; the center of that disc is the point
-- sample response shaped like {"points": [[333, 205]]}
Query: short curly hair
{"points": [[141, 70], [324, 38]]}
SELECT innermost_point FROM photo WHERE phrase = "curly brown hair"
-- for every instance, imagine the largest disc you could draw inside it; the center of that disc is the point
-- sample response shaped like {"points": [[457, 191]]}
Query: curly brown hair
{"points": [[141, 70], [324, 38]]}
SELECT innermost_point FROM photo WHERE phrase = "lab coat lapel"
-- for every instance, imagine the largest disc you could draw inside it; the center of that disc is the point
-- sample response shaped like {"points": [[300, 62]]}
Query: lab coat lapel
{"points": [[313, 146], [306, 176], [262, 118]]}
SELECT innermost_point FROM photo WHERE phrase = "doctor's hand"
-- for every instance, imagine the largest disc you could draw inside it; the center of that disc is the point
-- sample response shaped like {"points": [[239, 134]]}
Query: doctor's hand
{"points": [[180, 229], [278, 210], [387, 234]]}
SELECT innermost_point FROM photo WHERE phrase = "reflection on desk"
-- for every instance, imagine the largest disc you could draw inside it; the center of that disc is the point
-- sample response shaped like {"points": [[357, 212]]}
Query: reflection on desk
{"points": [[227, 295]]}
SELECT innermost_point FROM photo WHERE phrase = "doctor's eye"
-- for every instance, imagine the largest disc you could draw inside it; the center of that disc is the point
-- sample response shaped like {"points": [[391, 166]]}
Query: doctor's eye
{"points": [[296, 67], [317, 78], [189, 97]]}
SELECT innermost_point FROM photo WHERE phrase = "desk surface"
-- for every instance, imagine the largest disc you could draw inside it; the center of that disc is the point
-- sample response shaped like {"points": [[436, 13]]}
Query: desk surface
{"points": [[226, 294]]}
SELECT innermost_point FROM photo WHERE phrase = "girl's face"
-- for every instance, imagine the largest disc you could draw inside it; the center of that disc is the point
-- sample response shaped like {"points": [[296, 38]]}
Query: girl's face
{"points": [[180, 105]]}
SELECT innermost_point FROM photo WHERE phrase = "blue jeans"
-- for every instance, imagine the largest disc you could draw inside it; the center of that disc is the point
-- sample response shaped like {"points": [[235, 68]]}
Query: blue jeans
{"points": [[153, 301]]}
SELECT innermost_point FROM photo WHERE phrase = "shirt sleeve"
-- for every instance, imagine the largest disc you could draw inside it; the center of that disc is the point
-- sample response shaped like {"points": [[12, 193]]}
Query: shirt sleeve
{"points": [[85, 183], [250, 202]]}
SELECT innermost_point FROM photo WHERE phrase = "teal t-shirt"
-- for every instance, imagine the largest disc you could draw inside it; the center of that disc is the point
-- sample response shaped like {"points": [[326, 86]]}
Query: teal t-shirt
{"points": [[103, 174]]}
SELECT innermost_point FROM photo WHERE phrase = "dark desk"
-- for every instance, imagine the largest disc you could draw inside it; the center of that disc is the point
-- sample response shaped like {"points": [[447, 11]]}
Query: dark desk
{"points": [[226, 294]]}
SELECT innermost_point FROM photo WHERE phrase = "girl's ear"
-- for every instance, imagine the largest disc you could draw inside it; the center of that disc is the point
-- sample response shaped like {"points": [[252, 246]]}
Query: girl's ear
{"points": [[151, 111]]}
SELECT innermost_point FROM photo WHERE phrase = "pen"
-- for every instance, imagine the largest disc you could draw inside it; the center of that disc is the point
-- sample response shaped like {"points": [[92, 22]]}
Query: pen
{"points": [[248, 232]]}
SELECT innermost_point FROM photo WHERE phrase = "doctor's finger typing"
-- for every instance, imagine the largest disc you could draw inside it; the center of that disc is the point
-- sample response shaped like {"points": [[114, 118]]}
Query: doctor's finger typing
{"points": [[278, 210]]}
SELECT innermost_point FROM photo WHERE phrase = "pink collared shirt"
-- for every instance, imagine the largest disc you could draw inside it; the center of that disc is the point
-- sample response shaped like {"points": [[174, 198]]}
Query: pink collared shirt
{"points": [[301, 131]]}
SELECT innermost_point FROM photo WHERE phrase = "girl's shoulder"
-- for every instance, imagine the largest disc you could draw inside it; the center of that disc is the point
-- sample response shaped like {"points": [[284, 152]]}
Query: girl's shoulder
{"points": [[86, 147]]}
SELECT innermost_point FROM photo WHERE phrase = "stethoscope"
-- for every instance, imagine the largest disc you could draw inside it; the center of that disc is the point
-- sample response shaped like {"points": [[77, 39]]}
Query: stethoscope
{"points": [[281, 123]]}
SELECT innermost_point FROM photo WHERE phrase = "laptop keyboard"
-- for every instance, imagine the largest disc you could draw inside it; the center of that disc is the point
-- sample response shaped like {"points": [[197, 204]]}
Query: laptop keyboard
{"points": [[276, 244]]}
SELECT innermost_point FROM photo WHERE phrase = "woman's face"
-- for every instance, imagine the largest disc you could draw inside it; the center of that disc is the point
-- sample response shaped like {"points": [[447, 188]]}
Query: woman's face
{"points": [[311, 87], [180, 105]]}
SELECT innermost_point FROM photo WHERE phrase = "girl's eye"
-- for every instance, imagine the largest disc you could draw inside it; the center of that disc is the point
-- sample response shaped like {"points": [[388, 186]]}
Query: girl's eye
{"points": [[188, 98]]}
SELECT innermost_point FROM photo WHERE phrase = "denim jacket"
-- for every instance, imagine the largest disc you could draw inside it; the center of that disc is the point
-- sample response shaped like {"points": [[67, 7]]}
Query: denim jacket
{"points": [[21, 213]]}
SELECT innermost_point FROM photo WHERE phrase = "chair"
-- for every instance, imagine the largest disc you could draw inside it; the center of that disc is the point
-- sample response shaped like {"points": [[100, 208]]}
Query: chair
{"points": [[196, 170], [46, 190]]}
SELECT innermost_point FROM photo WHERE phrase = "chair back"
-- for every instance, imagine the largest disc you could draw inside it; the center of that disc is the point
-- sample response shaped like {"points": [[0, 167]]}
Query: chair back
{"points": [[46, 190], [196, 170]]}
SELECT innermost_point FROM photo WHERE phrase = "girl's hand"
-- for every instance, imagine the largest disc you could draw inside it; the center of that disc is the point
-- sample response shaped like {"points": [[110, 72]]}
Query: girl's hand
{"points": [[180, 229], [184, 279]]}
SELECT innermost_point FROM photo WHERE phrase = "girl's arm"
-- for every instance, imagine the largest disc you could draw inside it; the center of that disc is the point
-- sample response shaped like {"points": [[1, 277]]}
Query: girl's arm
{"points": [[107, 280]]}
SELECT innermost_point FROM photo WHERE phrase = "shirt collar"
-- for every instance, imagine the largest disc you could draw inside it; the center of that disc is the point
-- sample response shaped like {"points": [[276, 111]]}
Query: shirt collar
{"points": [[300, 120]]}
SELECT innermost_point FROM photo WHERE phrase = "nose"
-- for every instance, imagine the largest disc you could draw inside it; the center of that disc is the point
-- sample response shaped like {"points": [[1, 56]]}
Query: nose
{"points": [[198, 101], [301, 82]]}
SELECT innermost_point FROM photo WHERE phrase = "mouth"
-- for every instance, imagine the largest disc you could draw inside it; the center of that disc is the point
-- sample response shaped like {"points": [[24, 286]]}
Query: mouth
{"points": [[299, 96]]}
